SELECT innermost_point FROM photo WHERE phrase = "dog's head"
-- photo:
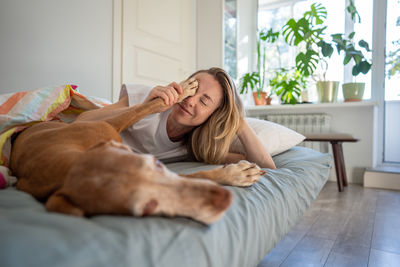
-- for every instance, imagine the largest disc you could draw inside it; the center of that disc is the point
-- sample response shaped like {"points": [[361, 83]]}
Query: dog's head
{"points": [[110, 178]]}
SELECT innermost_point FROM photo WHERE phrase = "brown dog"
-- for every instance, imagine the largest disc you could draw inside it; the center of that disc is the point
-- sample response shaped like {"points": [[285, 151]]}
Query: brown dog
{"points": [[82, 168]]}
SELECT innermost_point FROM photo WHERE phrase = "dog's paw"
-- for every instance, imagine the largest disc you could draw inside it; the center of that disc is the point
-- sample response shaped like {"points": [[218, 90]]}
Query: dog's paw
{"points": [[242, 173], [189, 88]]}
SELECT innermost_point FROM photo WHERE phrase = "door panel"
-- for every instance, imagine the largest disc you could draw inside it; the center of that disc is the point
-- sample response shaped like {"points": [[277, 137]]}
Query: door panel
{"points": [[158, 41]]}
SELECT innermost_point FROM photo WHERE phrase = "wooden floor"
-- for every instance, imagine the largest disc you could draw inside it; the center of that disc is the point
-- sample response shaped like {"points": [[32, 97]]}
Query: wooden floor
{"points": [[357, 227]]}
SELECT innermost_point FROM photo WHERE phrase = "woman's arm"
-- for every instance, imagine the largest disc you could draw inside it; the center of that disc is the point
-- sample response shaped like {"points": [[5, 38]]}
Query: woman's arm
{"points": [[169, 94], [255, 151]]}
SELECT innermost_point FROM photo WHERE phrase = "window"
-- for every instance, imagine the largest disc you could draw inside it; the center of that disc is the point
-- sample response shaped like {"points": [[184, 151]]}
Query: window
{"points": [[364, 31], [230, 33], [392, 81], [274, 14]]}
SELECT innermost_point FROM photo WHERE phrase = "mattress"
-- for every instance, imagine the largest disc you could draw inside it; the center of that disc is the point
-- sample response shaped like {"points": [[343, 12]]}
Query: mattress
{"points": [[259, 217]]}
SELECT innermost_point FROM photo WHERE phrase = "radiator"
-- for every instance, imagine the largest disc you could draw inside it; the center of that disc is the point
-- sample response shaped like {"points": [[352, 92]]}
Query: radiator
{"points": [[304, 123]]}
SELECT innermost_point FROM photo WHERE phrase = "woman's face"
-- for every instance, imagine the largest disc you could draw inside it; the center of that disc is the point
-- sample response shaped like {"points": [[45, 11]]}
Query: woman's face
{"points": [[196, 109]]}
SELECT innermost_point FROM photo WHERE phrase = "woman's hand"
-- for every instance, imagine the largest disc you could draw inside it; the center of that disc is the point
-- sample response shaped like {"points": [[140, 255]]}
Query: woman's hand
{"points": [[255, 151], [170, 94]]}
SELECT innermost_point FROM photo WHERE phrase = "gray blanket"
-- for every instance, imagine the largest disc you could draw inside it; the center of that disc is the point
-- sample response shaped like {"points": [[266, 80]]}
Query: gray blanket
{"points": [[258, 218]]}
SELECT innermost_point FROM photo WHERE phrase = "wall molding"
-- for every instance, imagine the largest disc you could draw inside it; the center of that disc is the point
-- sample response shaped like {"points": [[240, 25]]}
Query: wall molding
{"points": [[116, 49]]}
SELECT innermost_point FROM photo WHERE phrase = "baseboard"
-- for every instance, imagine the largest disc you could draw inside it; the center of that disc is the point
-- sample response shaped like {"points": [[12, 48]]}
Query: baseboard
{"points": [[382, 179]]}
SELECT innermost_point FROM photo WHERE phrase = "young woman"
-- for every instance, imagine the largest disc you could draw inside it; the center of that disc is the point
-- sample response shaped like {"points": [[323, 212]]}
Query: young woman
{"points": [[201, 127]]}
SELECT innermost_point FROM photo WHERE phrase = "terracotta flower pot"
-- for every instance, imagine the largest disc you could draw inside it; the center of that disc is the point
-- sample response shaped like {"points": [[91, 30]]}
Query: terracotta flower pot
{"points": [[260, 100]]}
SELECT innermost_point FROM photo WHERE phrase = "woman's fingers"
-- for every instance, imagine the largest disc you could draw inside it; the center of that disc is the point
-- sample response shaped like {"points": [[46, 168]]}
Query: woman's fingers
{"points": [[177, 87], [176, 93], [170, 94], [164, 96], [170, 91]]}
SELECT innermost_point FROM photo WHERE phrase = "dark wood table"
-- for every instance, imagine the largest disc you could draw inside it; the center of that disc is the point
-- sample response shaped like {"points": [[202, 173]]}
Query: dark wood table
{"points": [[336, 140]]}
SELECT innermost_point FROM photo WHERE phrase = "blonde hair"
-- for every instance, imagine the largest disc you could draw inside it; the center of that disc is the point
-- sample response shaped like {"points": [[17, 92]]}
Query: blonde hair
{"points": [[210, 141]]}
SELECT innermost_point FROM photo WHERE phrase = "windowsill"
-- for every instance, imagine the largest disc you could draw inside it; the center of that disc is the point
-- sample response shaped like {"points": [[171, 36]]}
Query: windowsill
{"points": [[312, 106], [385, 169]]}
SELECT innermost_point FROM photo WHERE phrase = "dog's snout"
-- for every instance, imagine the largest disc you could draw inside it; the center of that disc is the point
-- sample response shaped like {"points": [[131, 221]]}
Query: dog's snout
{"points": [[150, 207], [221, 198]]}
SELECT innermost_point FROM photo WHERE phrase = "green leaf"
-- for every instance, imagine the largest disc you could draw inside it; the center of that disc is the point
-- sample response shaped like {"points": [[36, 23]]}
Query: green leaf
{"points": [[307, 62], [337, 36], [364, 67], [364, 44], [355, 71], [318, 13], [357, 58], [326, 48], [346, 60], [248, 81], [351, 35], [351, 8], [294, 31], [269, 36]]}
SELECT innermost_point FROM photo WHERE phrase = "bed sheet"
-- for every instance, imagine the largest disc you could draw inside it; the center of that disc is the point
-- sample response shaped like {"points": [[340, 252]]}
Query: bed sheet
{"points": [[258, 218]]}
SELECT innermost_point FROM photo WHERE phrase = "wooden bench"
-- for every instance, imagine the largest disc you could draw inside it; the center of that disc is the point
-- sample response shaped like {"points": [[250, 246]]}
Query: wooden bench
{"points": [[336, 139]]}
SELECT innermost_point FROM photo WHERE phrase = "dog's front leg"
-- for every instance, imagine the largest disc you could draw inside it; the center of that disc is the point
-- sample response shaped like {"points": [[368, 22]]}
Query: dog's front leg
{"points": [[121, 117], [243, 173], [134, 114]]}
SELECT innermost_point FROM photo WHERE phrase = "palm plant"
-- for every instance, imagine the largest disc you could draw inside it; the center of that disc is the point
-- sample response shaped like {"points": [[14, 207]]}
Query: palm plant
{"points": [[309, 32], [256, 80], [305, 33]]}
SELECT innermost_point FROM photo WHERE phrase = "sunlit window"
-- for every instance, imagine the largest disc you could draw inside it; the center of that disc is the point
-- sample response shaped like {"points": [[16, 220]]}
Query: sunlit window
{"points": [[275, 16], [392, 81], [364, 31], [230, 38]]}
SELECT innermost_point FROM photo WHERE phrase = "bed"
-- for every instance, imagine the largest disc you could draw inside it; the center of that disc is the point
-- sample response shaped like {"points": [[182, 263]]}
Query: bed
{"points": [[258, 218]]}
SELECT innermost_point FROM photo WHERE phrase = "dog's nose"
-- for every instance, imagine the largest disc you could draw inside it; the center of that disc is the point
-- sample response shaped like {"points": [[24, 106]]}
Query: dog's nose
{"points": [[221, 197]]}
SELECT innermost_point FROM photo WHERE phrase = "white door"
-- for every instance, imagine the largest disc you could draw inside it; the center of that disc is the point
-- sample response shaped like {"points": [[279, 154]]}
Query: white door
{"points": [[158, 41]]}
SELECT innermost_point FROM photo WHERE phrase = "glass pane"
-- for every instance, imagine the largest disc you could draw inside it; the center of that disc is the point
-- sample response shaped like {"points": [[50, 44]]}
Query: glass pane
{"points": [[277, 55], [392, 81], [230, 44], [363, 31], [392, 132]]}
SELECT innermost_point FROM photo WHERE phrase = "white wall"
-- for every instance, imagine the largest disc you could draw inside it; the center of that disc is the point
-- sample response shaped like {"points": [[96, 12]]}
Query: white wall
{"points": [[53, 42], [209, 22], [358, 119]]}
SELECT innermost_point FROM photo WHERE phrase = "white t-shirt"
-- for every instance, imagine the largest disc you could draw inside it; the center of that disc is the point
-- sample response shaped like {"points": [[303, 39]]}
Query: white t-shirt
{"points": [[149, 135]]}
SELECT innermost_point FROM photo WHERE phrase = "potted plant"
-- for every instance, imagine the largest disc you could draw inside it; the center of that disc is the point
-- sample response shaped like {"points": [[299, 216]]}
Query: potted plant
{"points": [[256, 80], [327, 90], [306, 34], [288, 84], [353, 91], [310, 30]]}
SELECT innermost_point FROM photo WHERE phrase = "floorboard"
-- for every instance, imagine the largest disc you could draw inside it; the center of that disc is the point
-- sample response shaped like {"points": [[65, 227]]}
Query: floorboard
{"points": [[357, 227]]}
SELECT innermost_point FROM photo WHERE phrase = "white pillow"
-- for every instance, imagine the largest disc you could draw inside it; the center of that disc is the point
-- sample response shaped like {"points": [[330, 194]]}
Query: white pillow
{"points": [[275, 137]]}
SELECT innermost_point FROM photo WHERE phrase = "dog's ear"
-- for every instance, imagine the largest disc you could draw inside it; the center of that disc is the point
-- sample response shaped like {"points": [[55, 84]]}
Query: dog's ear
{"points": [[60, 203], [97, 145], [110, 142]]}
